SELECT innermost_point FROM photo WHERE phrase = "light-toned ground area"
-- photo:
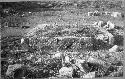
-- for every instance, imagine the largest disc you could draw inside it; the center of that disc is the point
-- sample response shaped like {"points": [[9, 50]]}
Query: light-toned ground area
{"points": [[69, 16]]}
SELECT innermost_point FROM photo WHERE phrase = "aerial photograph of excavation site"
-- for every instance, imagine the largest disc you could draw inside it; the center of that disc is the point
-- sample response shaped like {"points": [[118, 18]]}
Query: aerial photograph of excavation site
{"points": [[62, 39]]}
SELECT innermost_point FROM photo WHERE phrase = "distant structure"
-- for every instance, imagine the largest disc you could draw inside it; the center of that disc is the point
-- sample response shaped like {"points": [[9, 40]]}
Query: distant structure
{"points": [[114, 49], [113, 14], [107, 13], [25, 27], [96, 13], [90, 13], [6, 24], [104, 27]]}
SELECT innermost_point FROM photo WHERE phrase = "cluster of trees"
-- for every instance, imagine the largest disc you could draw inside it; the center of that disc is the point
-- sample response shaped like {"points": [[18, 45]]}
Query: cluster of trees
{"points": [[25, 6], [101, 4]]}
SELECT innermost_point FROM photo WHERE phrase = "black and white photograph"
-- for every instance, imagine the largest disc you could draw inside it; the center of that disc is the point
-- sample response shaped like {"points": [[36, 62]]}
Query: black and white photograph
{"points": [[62, 39]]}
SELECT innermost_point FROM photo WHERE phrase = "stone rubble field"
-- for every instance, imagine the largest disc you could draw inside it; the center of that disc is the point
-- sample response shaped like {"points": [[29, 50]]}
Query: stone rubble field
{"points": [[64, 43]]}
